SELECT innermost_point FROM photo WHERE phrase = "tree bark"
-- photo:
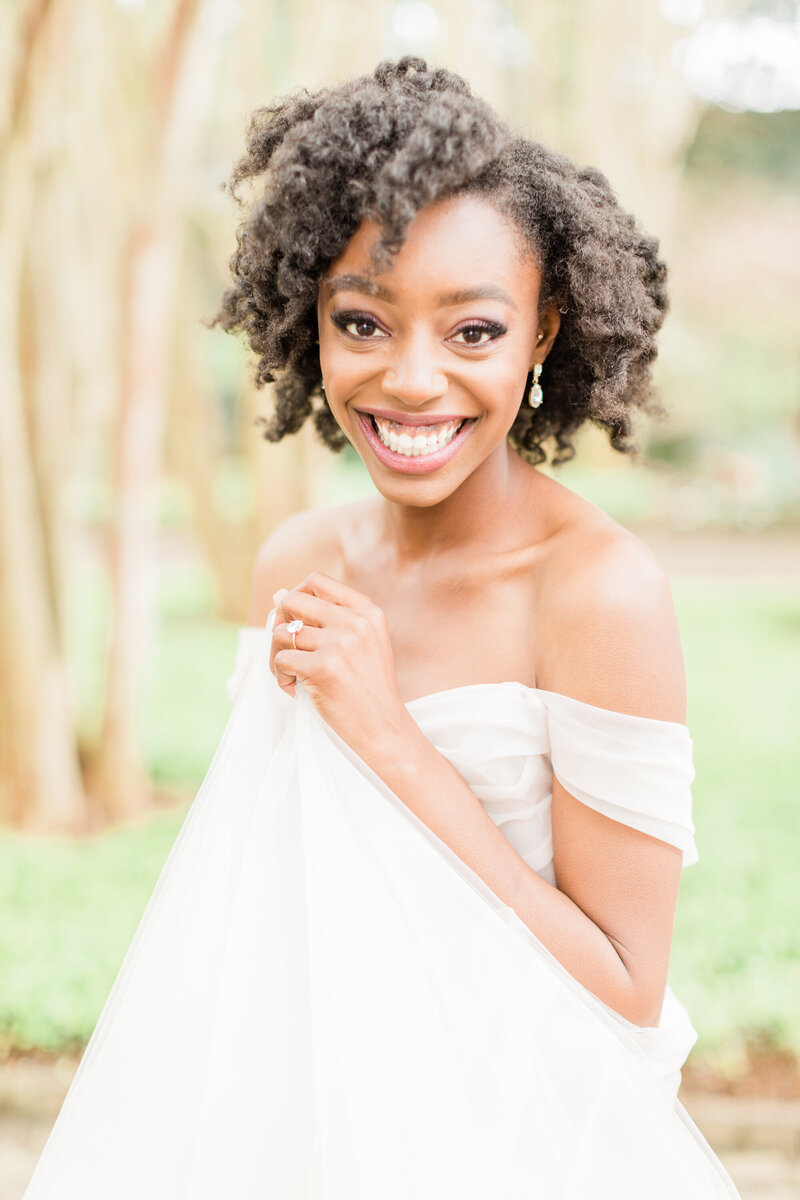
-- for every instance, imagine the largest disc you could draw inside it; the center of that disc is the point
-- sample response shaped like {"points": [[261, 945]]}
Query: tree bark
{"points": [[151, 257], [40, 777]]}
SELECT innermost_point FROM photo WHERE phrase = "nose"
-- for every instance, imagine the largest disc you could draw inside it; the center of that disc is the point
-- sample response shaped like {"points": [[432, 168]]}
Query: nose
{"points": [[414, 374]]}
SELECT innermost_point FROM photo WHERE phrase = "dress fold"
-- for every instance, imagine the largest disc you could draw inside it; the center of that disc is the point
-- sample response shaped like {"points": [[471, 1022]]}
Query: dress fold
{"points": [[323, 1002]]}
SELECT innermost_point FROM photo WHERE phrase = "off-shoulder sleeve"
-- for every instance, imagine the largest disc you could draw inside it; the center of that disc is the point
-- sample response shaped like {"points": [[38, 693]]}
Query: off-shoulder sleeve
{"points": [[249, 638], [637, 770]]}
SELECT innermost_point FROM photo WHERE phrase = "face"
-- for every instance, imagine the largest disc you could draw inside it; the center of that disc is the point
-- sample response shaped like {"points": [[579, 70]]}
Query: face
{"points": [[425, 364]]}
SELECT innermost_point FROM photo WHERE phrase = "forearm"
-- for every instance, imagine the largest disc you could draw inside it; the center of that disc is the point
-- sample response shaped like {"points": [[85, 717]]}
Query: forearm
{"points": [[434, 791]]}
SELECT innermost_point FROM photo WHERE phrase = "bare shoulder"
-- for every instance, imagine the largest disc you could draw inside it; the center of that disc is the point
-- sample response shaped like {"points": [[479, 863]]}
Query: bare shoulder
{"points": [[609, 619], [308, 541]]}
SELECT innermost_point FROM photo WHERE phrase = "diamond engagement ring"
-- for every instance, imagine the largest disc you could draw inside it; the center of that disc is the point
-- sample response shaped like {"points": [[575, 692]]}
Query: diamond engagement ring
{"points": [[294, 628]]}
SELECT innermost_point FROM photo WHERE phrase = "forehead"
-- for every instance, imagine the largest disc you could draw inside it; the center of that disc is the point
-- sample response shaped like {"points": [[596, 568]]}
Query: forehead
{"points": [[449, 246]]}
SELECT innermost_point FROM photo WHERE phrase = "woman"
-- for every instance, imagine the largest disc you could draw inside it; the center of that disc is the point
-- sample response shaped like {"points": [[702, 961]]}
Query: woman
{"points": [[413, 938]]}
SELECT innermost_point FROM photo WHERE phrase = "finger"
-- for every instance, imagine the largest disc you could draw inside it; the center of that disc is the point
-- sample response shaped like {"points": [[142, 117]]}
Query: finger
{"points": [[309, 638], [335, 592], [284, 678], [309, 635], [276, 603], [306, 641], [292, 666], [310, 608]]}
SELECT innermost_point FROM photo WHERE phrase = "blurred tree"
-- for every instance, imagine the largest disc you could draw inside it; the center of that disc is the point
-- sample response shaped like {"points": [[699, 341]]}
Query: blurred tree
{"points": [[603, 89], [129, 269], [149, 265], [40, 779]]}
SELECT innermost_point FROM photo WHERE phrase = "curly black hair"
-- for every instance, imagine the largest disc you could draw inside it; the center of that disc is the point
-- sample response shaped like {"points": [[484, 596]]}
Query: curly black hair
{"points": [[387, 145]]}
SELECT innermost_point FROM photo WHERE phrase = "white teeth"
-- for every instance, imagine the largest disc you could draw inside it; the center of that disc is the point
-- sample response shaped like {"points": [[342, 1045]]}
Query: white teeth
{"points": [[412, 446]]}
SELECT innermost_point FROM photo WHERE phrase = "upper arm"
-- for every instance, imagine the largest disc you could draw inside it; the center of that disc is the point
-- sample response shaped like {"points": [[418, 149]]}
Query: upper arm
{"points": [[618, 647], [301, 544]]}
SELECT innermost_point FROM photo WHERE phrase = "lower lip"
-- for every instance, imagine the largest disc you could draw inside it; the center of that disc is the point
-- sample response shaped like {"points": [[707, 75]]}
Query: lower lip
{"points": [[419, 464]]}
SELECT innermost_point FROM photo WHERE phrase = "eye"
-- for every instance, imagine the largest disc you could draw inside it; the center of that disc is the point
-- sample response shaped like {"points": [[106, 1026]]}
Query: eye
{"points": [[358, 325], [478, 333]]}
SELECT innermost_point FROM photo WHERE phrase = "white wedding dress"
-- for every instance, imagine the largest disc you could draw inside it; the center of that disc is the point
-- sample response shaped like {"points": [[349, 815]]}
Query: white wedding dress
{"points": [[323, 1002]]}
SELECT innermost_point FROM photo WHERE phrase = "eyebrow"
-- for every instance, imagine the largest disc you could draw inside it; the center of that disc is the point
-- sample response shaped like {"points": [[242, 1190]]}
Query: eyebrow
{"points": [[361, 283]]}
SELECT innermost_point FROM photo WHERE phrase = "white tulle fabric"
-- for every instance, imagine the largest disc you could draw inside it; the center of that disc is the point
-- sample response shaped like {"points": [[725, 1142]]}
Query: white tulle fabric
{"points": [[323, 1002]]}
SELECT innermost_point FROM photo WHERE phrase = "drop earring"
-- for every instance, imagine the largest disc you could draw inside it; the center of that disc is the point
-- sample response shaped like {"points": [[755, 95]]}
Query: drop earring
{"points": [[535, 393], [322, 386]]}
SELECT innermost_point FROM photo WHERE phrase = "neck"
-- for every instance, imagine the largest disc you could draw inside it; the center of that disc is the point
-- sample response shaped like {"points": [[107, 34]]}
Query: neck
{"points": [[480, 513]]}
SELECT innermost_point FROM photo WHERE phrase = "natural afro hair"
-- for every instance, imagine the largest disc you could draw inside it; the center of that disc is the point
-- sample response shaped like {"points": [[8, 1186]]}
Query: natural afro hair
{"points": [[387, 145]]}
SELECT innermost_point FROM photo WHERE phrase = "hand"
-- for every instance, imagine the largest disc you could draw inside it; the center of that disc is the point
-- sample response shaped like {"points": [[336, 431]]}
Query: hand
{"points": [[344, 660]]}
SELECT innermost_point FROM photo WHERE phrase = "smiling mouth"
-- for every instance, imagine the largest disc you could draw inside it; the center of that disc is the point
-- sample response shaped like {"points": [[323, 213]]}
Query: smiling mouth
{"points": [[414, 441], [415, 445]]}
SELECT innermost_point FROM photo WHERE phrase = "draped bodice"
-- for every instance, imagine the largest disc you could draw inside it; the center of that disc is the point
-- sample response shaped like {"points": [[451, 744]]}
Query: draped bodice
{"points": [[508, 741]]}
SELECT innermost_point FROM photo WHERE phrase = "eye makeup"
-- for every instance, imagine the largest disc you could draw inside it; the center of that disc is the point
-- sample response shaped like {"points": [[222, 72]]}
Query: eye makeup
{"points": [[493, 328], [342, 321]]}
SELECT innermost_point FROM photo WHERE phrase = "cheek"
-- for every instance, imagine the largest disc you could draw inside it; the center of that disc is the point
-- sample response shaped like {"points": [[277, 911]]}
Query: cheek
{"points": [[339, 374], [340, 386], [502, 384], [339, 365]]}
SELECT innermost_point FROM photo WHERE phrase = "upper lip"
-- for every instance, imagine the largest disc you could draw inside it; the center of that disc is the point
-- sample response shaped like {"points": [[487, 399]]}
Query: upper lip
{"points": [[406, 418]]}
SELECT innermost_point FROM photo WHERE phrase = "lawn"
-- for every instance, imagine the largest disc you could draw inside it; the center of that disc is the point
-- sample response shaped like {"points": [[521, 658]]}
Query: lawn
{"points": [[736, 957], [68, 909]]}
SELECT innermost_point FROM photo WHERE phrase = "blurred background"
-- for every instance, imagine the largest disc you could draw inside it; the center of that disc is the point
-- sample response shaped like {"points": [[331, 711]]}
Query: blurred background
{"points": [[135, 488]]}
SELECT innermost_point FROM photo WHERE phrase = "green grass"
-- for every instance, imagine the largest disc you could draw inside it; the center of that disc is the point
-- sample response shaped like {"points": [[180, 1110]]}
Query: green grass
{"points": [[69, 908], [188, 703], [736, 957]]}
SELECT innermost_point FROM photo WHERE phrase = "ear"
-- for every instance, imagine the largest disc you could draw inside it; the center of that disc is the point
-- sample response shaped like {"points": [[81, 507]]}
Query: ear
{"points": [[548, 327]]}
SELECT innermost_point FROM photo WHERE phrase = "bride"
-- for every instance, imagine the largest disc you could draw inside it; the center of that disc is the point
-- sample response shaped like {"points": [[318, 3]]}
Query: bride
{"points": [[414, 935]]}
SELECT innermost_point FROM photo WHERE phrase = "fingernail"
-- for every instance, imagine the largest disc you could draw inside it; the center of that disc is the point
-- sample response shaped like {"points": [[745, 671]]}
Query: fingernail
{"points": [[281, 592]]}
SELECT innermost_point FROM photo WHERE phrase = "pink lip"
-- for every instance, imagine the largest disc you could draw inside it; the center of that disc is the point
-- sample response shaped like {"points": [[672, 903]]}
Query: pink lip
{"points": [[422, 464], [406, 418]]}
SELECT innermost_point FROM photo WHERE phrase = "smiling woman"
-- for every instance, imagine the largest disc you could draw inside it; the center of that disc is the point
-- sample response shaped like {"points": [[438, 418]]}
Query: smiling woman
{"points": [[384, 148], [414, 937], [457, 318]]}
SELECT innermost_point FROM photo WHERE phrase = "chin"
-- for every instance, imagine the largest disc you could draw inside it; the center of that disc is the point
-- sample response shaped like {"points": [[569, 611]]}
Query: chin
{"points": [[413, 493]]}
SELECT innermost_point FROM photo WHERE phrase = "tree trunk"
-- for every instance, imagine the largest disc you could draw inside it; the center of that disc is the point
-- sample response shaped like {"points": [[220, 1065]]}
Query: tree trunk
{"points": [[151, 261], [40, 779]]}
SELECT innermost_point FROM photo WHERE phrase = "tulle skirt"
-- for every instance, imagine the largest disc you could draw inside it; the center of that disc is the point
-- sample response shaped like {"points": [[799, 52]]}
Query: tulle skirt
{"points": [[322, 1001]]}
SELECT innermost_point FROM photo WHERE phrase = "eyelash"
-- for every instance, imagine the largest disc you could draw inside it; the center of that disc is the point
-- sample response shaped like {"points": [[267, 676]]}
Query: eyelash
{"points": [[343, 319]]}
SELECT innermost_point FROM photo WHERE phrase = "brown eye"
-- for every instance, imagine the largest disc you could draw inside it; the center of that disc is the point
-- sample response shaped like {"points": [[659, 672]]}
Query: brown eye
{"points": [[362, 329], [478, 335], [473, 336], [358, 326]]}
